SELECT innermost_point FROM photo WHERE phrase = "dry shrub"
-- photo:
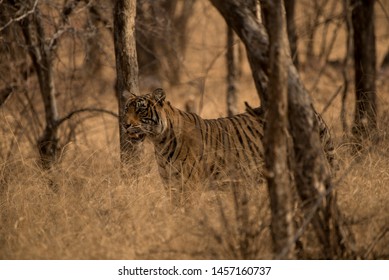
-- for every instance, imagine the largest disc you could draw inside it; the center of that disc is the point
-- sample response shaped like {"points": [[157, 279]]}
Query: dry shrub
{"points": [[363, 186]]}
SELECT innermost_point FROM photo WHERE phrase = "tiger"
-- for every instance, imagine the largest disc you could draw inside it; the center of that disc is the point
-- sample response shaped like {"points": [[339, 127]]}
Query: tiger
{"points": [[191, 149]]}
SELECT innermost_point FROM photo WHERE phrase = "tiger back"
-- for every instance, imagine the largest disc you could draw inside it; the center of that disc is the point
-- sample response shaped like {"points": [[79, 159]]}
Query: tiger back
{"points": [[193, 149]]}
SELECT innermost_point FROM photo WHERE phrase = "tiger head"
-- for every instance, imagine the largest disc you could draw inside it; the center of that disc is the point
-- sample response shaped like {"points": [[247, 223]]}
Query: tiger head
{"points": [[143, 115]]}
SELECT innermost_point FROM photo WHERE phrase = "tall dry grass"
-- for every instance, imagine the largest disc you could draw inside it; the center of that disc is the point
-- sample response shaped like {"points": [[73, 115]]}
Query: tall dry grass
{"points": [[82, 210]]}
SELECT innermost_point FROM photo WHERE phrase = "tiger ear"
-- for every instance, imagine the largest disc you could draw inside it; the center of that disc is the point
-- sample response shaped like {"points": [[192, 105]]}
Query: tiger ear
{"points": [[159, 96], [127, 95]]}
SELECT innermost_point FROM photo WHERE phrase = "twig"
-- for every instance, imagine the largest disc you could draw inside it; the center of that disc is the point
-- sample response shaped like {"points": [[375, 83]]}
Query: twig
{"points": [[19, 18], [316, 82], [331, 100], [94, 110], [383, 9], [66, 12], [375, 241], [5, 93]]}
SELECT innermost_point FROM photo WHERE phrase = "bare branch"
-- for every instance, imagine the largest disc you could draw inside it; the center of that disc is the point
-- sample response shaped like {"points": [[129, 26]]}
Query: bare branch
{"points": [[21, 17], [331, 99], [5, 93], [375, 241], [67, 10], [384, 10], [91, 110]]}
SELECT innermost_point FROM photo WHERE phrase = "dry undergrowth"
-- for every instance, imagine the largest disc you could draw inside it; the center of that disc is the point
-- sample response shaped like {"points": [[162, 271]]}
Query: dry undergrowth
{"points": [[83, 210]]}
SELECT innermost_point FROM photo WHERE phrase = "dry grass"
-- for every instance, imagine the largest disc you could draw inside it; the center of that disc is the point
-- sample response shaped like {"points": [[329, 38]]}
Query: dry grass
{"points": [[82, 209]]}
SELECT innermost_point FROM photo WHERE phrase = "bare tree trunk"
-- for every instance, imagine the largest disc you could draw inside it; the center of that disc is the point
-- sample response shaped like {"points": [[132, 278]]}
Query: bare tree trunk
{"points": [[346, 62], [126, 69], [231, 74], [291, 28], [311, 171], [40, 54], [276, 136], [365, 119]]}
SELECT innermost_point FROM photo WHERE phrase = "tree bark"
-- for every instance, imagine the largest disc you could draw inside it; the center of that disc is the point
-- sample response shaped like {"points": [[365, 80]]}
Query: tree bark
{"points": [[231, 74], [276, 137], [346, 62], [365, 118], [126, 69]]}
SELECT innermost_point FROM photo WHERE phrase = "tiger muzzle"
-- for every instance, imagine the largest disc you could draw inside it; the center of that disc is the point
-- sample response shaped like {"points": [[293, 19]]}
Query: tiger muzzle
{"points": [[135, 134]]}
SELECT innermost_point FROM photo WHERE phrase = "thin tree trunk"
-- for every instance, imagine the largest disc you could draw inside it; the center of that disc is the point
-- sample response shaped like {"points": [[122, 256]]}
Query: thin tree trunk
{"points": [[276, 136], [346, 63], [126, 69], [231, 74], [365, 119], [40, 54]]}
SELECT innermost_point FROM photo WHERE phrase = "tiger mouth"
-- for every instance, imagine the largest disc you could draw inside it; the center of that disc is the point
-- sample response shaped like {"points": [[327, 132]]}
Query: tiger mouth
{"points": [[135, 134], [136, 137]]}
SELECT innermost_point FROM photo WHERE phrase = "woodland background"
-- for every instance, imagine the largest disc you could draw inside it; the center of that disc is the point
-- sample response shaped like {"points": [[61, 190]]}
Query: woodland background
{"points": [[80, 206]]}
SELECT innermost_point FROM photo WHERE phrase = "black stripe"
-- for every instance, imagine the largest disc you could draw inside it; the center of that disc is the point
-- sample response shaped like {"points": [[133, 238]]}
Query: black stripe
{"points": [[172, 149], [241, 151]]}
